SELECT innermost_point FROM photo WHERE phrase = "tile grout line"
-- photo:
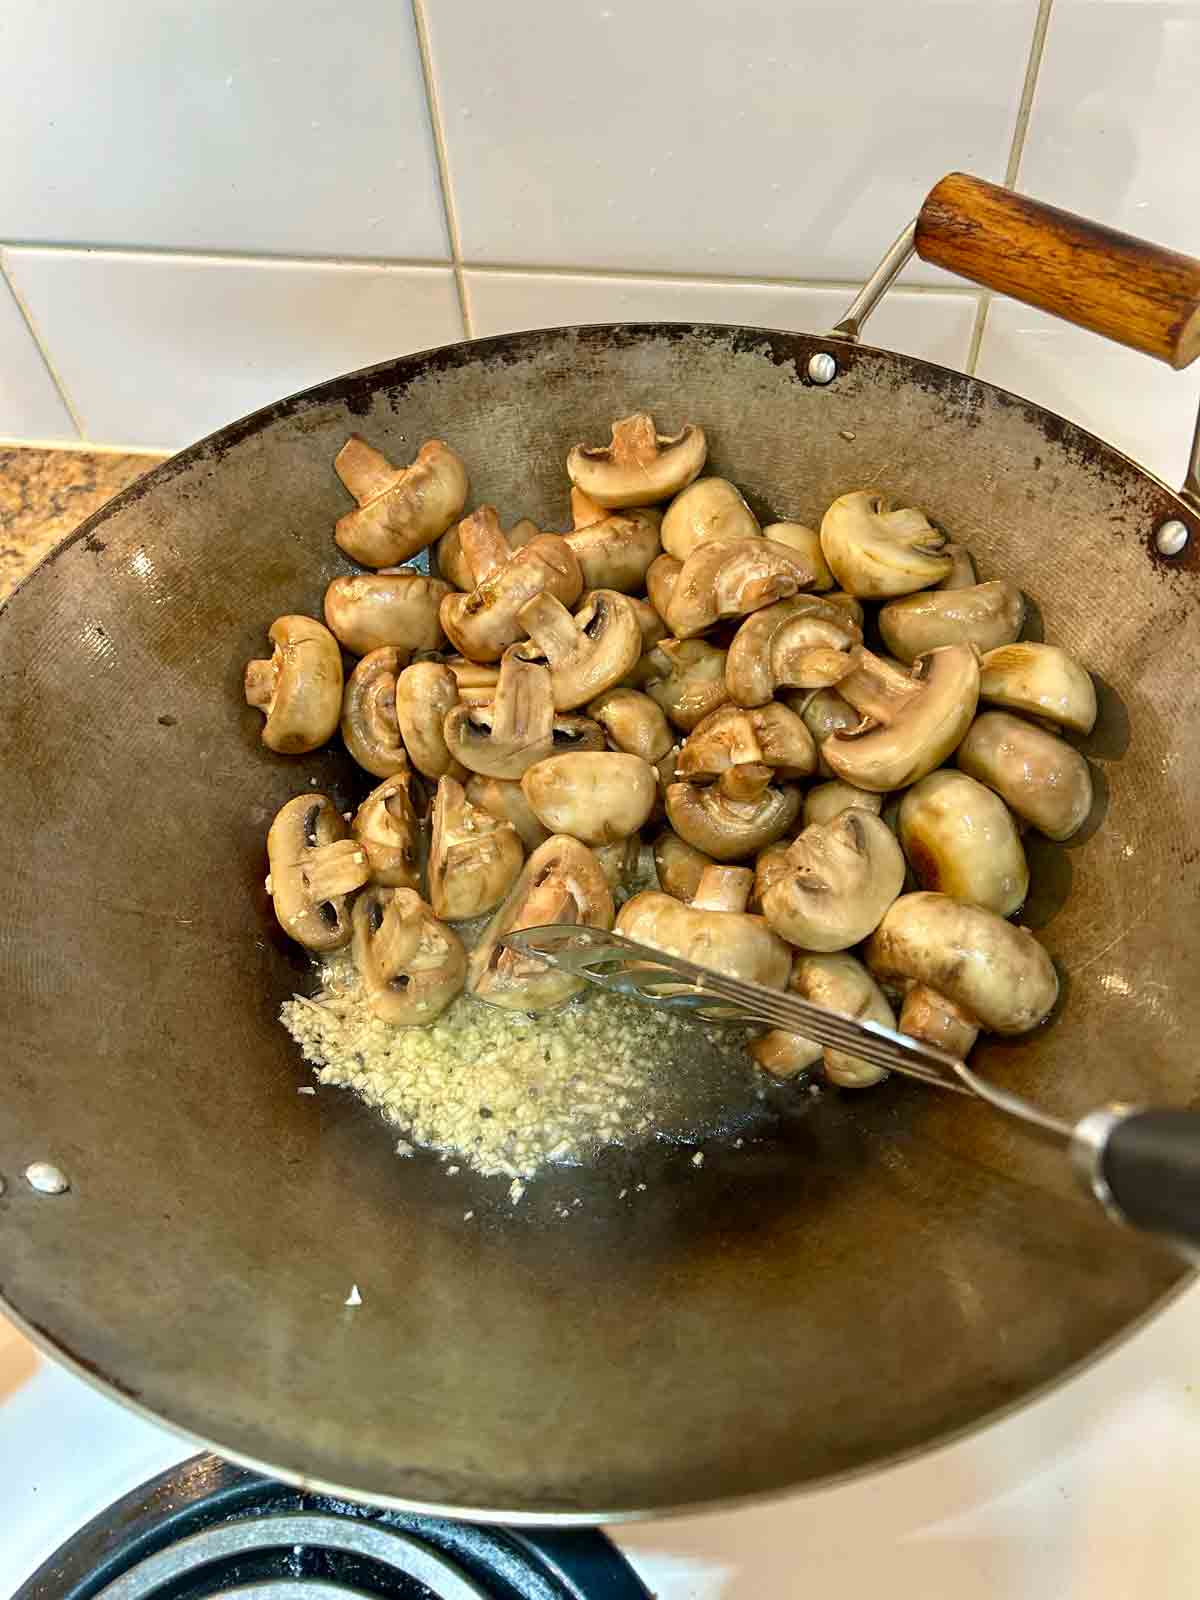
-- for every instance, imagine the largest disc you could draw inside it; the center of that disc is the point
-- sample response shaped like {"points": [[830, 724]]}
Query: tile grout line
{"points": [[39, 344], [87, 447], [443, 161], [1033, 66]]}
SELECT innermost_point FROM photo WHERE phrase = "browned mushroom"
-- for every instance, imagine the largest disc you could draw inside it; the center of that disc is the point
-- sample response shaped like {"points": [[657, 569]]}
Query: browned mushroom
{"points": [[714, 930], [586, 653], [314, 865], [616, 553], [652, 625], [679, 866], [660, 581], [484, 623], [1042, 681], [912, 722], [842, 876], [503, 737], [745, 750], [400, 509], [474, 859], [808, 542], [452, 560], [475, 681], [299, 688], [961, 840], [584, 510], [634, 723], [800, 643], [770, 864], [597, 796], [411, 966], [987, 615], [1039, 776], [370, 730], [369, 610], [640, 466], [730, 830], [710, 511], [388, 827], [426, 693], [878, 549], [720, 580], [838, 982], [686, 677], [505, 799]]}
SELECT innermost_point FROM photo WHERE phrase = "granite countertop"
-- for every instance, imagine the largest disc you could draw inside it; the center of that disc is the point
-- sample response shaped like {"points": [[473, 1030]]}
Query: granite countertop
{"points": [[45, 494]]}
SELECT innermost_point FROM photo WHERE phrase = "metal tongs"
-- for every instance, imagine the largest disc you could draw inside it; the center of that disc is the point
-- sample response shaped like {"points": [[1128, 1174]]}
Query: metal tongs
{"points": [[1141, 1165]]}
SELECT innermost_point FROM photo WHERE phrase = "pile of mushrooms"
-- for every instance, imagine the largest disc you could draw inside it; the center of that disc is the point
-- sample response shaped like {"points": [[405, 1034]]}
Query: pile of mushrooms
{"points": [[829, 814]]}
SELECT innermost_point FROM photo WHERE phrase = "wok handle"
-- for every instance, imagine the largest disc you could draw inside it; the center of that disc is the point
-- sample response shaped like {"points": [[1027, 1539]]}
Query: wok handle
{"points": [[1144, 1168], [1108, 282]]}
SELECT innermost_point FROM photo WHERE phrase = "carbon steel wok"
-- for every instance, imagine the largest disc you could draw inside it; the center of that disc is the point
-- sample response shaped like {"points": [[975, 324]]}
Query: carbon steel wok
{"points": [[872, 1273]]}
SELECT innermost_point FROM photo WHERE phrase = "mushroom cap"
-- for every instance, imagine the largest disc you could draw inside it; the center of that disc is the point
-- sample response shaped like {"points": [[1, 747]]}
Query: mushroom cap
{"points": [[370, 730], [661, 576], [960, 839], [709, 511], [616, 553], [634, 723], [503, 737], [1039, 776], [686, 677], [726, 829], [997, 973], [838, 982], [912, 722], [722, 579], [842, 876], [505, 799], [823, 712], [987, 615], [474, 858], [877, 549], [640, 465], [388, 826], [587, 653], [824, 801], [453, 563], [733, 942], [299, 688], [679, 865], [425, 693], [561, 882], [1042, 681], [769, 864], [654, 629], [371, 609], [800, 643], [770, 740], [484, 623], [596, 796], [411, 966], [807, 542], [314, 865], [400, 509]]}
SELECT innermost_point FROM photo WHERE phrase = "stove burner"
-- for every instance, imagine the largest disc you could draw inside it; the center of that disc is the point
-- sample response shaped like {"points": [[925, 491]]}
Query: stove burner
{"points": [[209, 1531]]}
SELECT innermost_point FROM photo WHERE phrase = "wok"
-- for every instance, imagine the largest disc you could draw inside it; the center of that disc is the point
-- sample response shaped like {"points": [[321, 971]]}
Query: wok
{"points": [[871, 1273]]}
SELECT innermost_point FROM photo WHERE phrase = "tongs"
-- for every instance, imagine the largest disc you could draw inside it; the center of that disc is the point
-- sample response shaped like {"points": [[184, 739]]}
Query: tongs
{"points": [[1141, 1165]]}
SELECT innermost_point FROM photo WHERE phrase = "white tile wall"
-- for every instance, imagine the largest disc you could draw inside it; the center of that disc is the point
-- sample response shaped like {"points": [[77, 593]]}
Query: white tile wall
{"points": [[30, 404]]}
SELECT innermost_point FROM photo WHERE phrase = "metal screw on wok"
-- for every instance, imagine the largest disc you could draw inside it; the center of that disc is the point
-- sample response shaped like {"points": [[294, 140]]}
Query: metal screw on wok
{"points": [[822, 368], [1171, 537]]}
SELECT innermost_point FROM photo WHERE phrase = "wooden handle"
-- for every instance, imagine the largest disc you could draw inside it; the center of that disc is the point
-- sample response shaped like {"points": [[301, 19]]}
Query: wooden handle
{"points": [[1111, 283]]}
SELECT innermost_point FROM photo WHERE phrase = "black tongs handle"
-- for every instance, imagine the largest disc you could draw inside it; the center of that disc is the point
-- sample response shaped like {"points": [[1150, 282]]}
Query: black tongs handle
{"points": [[1144, 1168]]}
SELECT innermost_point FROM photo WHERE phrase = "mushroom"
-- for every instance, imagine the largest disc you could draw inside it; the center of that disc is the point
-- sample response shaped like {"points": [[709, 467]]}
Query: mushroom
{"points": [[807, 541], [372, 609], [474, 859], [996, 973], [584, 510], [929, 1016], [1039, 776], [400, 509], [505, 799], [660, 581], [799, 643], [842, 876], [912, 722], [596, 796], [313, 865], [961, 840], [824, 801], [1042, 681], [962, 568], [838, 982], [987, 615], [715, 930], [388, 827], [452, 560], [426, 693], [851, 606], [633, 723], [484, 623], [410, 964], [654, 629], [506, 735], [619, 862], [679, 866], [720, 580], [769, 864], [729, 830], [587, 653], [299, 688], [640, 465], [476, 682], [823, 712], [561, 882], [685, 677], [745, 750], [370, 729], [616, 553], [710, 511], [878, 549]]}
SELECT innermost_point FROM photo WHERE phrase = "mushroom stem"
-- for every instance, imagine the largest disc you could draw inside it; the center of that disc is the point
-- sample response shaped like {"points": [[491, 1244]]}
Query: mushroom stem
{"points": [[551, 626], [723, 889], [876, 688], [522, 709], [745, 781], [483, 542], [634, 441], [261, 678], [365, 471], [585, 513], [929, 1016], [336, 869], [399, 933]]}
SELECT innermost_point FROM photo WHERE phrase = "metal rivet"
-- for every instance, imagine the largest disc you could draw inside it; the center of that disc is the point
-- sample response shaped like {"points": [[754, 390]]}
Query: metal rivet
{"points": [[47, 1179], [1171, 537], [822, 368]]}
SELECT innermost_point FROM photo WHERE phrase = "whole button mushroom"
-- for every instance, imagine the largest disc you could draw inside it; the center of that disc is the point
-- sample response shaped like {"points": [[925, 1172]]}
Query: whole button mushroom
{"points": [[370, 730], [504, 799], [373, 609], [1042, 681], [731, 830], [877, 549], [800, 643], [745, 750], [838, 982], [679, 866], [718, 581], [988, 615], [640, 465], [314, 865], [617, 552], [388, 827], [960, 840], [824, 801], [807, 541], [842, 876], [685, 677], [410, 964], [426, 693], [453, 563], [709, 512], [503, 737], [474, 859], [633, 723], [715, 930], [1039, 776], [596, 796], [400, 509], [299, 688], [586, 653], [484, 623]]}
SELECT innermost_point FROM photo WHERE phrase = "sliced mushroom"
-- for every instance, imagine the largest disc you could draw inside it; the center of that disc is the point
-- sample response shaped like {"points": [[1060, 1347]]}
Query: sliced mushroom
{"points": [[715, 930], [912, 722], [314, 865], [388, 827], [640, 465], [1042, 681], [634, 723], [654, 629], [878, 549], [299, 688], [616, 553], [660, 581], [962, 568], [824, 801], [456, 567], [686, 677], [370, 729], [475, 681], [586, 653], [561, 882], [474, 859], [597, 796], [619, 862], [679, 866], [987, 615], [770, 864], [710, 511], [730, 830], [799, 643], [807, 541], [504, 737], [824, 712], [484, 623], [504, 799], [400, 509], [996, 973], [960, 840], [369, 610], [745, 750], [929, 1016], [838, 982], [842, 876], [720, 580], [411, 965], [1039, 776]]}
